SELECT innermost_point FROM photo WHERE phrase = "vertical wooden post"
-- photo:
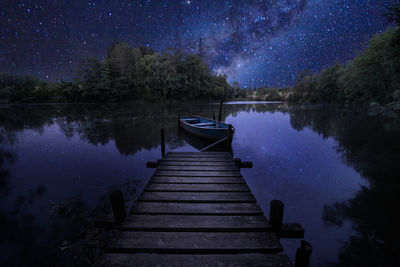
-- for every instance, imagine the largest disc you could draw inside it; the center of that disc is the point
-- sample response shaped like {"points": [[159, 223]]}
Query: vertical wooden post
{"points": [[230, 135], [163, 143], [179, 121], [303, 254], [220, 110], [237, 161], [118, 206], [213, 115], [276, 214]]}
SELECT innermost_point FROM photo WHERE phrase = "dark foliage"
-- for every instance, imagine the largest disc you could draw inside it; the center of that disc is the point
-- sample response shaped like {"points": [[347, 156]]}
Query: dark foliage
{"points": [[126, 74], [373, 77]]}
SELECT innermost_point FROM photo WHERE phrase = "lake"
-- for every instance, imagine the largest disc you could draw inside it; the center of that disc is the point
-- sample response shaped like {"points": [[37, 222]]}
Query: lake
{"points": [[336, 169]]}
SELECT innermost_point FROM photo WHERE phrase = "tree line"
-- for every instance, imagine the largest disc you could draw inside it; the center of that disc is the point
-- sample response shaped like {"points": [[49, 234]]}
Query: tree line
{"points": [[129, 74], [372, 77], [126, 74]]}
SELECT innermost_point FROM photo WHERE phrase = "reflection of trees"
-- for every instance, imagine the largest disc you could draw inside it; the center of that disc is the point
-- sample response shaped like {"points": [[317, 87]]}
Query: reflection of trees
{"points": [[132, 127], [23, 233], [371, 145], [62, 236]]}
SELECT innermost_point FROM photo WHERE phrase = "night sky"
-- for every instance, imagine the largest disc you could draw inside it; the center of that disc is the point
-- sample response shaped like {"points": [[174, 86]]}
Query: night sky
{"points": [[253, 42]]}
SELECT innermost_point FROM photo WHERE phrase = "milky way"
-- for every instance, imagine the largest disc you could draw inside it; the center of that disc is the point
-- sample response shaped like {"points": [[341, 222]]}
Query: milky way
{"points": [[255, 43]]}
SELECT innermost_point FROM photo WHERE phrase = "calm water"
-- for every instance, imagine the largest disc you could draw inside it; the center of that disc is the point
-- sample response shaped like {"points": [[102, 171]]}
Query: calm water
{"points": [[336, 170]]}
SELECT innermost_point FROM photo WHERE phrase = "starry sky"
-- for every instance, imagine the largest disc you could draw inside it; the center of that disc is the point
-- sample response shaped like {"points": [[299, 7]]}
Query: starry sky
{"points": [[255, 42]]}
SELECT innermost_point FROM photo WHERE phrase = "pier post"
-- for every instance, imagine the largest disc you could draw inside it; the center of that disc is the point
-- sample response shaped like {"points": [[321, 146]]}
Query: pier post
{"points": [[220, 110], [179, 121], [163, 143], [118, 206], [237, 161], [230, 135], [276, 214], [303, 254], [213, 115]]}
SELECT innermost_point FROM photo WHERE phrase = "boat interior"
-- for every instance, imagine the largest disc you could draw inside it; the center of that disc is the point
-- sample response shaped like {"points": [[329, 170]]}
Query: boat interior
{"points": [[204, 123]]}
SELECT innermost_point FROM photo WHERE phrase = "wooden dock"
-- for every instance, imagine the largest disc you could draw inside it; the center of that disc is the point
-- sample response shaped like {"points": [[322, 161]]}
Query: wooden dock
{"points": [[197, 210]]}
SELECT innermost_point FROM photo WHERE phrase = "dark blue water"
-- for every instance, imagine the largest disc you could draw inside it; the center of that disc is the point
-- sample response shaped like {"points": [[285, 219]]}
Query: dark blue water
{"points": [[335, 169]]}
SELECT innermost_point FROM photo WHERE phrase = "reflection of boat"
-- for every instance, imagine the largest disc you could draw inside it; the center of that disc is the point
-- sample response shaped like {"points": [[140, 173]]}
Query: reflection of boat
{"points": [[201, 143], [207, 128]]}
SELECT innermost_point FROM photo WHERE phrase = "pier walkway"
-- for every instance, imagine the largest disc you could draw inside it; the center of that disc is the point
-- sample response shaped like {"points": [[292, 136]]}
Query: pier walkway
{"points": [[197, 210]]}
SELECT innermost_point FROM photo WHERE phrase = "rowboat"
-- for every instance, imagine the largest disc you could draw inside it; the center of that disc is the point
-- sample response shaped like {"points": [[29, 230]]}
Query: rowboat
{"points": [[207, 128]]}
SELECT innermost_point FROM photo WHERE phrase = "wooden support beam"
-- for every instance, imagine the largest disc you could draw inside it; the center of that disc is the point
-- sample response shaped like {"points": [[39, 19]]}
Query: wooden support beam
{"points": [[230, 135], [276, 214], [291, 230], [151, 164], [243, 164], [118, 206], [220, 110], [246, 164], [303, 254], [237, 161], [162, 143]]}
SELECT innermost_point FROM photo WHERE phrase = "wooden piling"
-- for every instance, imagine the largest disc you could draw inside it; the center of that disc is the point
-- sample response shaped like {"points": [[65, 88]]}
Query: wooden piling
{"points": [[246, 164], [118, 206], [220, 110], [276, 214], [303, 254], [237, 161], [243, 164], [230, 135], [162, 143], [213, 115], [151, 164]]}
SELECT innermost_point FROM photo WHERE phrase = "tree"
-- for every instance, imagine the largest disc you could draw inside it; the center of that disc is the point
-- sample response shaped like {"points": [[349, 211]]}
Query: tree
{"points": [[393, 13], [375, 73], [329, 88], [89, 76]]}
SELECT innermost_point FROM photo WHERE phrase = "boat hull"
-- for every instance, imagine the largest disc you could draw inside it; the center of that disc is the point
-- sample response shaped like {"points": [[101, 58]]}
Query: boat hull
{"points": [[206, 133]]}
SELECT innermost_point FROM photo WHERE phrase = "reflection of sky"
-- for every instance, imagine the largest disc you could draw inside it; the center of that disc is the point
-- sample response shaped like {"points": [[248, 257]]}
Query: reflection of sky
{"points": [[69, 167], [300, 168]]}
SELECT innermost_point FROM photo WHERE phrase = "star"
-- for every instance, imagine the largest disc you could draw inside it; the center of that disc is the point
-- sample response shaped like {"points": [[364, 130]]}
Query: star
{"points": [[270, 40]]}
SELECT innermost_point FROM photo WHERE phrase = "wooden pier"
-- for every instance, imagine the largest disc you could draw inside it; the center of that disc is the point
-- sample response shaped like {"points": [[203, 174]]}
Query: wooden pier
{"points": [[197, 210]]}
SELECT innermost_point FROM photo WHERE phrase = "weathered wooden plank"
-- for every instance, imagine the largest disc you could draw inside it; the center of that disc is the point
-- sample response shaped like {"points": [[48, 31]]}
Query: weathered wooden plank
{"points": [[197, 168], [202, 180], [156, 187], [195, 242], [291, 230], [195, 223], [198, 173], [199, 154], [194, 260], [165, 162], [160, 208], [200, 159], [197, 197]]}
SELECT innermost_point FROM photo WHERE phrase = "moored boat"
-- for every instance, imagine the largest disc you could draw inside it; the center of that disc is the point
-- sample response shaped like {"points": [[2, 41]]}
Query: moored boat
{"points": [[206, 128]]}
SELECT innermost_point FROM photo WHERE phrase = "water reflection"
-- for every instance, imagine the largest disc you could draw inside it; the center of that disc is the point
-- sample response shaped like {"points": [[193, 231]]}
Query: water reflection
{"points": [[336, 170], [371, 146]]}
